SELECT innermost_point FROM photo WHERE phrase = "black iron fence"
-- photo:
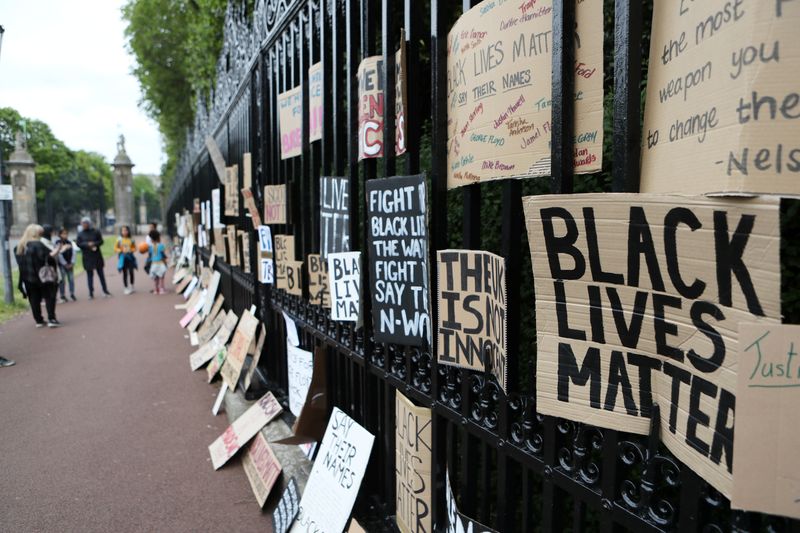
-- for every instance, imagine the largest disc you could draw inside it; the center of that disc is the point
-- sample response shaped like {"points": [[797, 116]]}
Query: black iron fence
{"points": [[511, 468]]}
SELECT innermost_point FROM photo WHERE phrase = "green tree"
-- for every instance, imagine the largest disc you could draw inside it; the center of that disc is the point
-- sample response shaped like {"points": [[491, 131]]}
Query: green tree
{"points": [[143, 186]]}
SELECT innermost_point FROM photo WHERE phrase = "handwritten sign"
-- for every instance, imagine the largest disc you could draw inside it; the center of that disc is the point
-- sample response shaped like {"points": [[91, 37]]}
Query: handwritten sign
{"points": [[259, 349], [499, 63], [237, 351], [250, 204], [217, 360], [766, 473], [243, 429], [292, 283], [264, 239], [284, 253], [318, 293], [472, 311], [721, 111], [266, 271], [344, 274], [232, 191], [287, 508], [645, 293], [275, 204], [244, 237], [216, 157], [335, 477], [315, 102], [456, 521], [300, 368], [216, 205], [398, 259], [262, 468], [334, 207], [290, 114], [412, 465]]}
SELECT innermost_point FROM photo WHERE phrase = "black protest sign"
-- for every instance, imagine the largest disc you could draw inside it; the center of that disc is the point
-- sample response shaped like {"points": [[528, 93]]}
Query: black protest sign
{"points": [[472, 311], [458, 522], [398, 259], [334, 213], [318, 293], [638, 301], [287, 508]]}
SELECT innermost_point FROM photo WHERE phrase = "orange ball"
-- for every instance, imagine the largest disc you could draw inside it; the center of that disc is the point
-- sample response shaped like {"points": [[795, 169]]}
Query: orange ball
{"points": [[143, 248]]}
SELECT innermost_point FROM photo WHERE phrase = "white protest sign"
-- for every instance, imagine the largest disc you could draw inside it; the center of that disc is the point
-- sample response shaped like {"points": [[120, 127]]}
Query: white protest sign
{"points": [[291, 330], [220, 397], [300, 367], [344, 277]]}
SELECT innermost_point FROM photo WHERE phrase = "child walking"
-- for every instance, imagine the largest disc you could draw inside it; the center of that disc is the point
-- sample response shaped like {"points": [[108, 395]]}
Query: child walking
{"points": [[158, 262], [127, 261]]}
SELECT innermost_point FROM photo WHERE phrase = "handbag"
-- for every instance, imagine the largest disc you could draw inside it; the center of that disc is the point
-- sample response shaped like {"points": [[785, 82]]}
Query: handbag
{"points": [[48, 274]]}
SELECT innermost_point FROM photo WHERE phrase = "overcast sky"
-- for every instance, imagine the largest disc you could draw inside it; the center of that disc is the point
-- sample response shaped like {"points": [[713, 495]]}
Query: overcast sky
{"points": [[64, 62]]}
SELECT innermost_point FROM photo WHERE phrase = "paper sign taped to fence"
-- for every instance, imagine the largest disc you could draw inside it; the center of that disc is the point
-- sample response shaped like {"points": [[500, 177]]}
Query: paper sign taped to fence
{"points": [[243, 429], [398, 259], [237, 351], [334, 209], [275, 204], [266, 271], [456, 521], [264, 239], [318, 293], [262, 467], [291, 330], [499, 65], [216, 157], [250, 204], [232, 191], [284, 253], [216, 203], [335, 477], [287, 508], [472, 311], [315, 102], [413, 446], [300, 368], [643, 295], [290, 112], [344, 275], [766, 472], [722, 108]]}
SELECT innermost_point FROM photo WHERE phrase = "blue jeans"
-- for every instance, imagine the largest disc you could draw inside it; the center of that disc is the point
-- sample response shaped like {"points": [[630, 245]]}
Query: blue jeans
{"points": [[67, 276]]}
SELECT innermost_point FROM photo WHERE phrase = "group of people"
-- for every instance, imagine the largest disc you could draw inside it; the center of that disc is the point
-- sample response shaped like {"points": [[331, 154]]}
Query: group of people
{"points": [[47, 266]]}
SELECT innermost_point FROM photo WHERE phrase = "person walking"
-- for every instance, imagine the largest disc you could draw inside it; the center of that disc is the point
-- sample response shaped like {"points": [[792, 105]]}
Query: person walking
{"points": [[38, 275], [66, 264], [89, 241], [126, 264], [158, 262], [47, 240]]}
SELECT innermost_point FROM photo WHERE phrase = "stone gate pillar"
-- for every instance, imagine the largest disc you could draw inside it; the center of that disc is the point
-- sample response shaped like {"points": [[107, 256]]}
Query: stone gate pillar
{"points": [[22, 173], [123, 187]]}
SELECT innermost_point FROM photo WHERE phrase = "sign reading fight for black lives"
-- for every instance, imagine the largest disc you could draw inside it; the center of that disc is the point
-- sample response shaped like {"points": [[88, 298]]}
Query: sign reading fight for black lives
{"points": [[499, 79], [722, 98], [398, 259], [334, 213], [472, 311], [643, 295]]}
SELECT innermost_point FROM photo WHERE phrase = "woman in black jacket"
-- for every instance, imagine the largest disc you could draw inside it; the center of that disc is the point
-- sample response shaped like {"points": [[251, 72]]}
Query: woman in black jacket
{"points": [[35, 282]]}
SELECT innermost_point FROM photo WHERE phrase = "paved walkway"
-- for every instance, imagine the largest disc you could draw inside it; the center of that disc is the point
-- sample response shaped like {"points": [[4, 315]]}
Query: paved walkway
{"points": [[103, 427]]}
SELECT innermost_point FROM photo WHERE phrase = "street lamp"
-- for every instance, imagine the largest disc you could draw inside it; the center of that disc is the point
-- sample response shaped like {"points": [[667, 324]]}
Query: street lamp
{"points": [[4, 254]]}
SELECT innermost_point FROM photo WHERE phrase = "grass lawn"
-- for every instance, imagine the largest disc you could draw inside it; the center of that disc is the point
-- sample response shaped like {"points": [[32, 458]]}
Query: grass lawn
{"points": [[20, 304]]}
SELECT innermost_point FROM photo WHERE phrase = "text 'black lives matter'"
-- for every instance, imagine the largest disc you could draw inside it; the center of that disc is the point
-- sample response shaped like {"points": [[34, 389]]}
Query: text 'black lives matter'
{"points": [[334, 213]]}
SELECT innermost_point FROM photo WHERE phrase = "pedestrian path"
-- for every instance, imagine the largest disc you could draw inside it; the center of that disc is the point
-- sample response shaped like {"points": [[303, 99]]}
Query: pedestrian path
{"points": [[104, 428]]}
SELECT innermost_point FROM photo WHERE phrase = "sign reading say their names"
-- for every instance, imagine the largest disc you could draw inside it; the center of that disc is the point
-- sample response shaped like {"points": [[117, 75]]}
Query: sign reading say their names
{"points": [[336, 476], [243, 429], [344, 275], [499, 81], [275, 204], [472, 311], [334, 212], [766, 472], [721, 111], [262, 467], [290, 115], [398, 259], [644, 294], [412, 465]]}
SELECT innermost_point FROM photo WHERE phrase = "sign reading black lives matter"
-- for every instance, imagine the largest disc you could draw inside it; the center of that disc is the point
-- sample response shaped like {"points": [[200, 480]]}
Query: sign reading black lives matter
{"points": [[646, 293], [398, 259], [472, 311], [334, 213]]}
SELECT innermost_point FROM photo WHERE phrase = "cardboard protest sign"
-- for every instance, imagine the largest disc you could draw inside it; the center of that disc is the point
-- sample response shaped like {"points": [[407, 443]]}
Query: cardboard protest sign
{"points": [[213, 287], [499, 79], [284, 253], [412, 465], [243, 429], [247, 170], [287, 508], [248, 377], [472, 311], [250, 204], [292, 282], [211, 348], [355, 527], [187, 293], [216, 205], [456, 521], [315, 102], [216, 157], [232, 191], [398, 260], [217, 360], [318, 293], [344, 275], [300, 368], [237, 351], [766, 472], [309, 427], [275, 204], [222, 327], [720, 115], [262, 467], [335, 477], [643, 295], [233, 249], [244, 236], [334, 212], [290, 116]]}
